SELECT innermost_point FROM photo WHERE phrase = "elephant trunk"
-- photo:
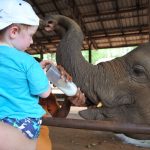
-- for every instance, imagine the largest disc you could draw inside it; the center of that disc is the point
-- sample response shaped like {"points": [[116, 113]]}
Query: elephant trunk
{"points": [[92, 79], [69, 54]]}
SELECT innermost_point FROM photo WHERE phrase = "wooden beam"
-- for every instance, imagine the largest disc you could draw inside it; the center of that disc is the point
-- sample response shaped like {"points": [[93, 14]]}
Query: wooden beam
{"points": [[98, 125]]}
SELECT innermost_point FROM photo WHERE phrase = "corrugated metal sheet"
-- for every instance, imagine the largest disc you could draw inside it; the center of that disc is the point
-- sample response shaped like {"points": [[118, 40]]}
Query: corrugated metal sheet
{"points": [[109, 23]]}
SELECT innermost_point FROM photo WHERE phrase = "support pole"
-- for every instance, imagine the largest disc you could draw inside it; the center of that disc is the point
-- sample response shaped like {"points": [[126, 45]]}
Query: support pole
{"points": [[97, 125]]}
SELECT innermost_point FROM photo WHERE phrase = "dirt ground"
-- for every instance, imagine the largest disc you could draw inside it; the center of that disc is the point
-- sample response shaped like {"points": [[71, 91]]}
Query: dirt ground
{"points": [[77, 139]]}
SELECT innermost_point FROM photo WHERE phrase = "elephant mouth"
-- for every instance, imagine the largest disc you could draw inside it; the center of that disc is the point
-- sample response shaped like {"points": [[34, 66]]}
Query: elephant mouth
{"points": [[132, 141]]}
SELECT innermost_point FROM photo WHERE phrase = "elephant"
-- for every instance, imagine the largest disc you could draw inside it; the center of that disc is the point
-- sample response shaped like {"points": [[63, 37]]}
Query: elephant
{"points": [[122, 85]]}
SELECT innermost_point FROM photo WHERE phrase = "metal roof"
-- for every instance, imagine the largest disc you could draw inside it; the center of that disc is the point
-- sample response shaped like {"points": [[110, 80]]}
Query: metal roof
{"points": [[105, 23]]}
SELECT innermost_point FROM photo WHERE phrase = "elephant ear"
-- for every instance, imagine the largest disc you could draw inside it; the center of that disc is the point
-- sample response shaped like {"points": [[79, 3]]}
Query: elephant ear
{"points": [[92, 114]]}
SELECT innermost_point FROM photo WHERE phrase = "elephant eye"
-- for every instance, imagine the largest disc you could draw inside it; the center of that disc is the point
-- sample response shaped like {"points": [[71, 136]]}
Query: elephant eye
{"points": [[138, 71]]}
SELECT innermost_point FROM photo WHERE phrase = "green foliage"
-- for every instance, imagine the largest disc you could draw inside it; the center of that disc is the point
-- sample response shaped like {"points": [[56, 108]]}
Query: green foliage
{"points": [[106, 54], [97, 55], [51, 57]]}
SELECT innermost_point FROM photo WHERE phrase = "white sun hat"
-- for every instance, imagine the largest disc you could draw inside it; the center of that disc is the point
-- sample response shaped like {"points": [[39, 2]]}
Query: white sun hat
{"points": [[17, 11]]}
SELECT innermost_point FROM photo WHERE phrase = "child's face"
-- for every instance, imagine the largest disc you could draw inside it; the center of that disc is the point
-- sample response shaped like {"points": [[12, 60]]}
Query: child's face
{"points": [[23, 38]]}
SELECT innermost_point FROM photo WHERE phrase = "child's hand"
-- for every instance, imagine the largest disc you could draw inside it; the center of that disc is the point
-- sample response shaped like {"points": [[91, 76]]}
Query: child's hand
{"points": [[64, 74], [78, 99]]}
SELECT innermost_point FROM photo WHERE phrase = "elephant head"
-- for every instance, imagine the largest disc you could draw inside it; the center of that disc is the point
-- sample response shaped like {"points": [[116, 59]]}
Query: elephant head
{"points": [[122, 85]]}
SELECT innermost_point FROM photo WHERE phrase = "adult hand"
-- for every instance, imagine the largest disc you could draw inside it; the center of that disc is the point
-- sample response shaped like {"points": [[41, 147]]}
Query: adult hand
{"points": [[78, 99], [64, 74]]}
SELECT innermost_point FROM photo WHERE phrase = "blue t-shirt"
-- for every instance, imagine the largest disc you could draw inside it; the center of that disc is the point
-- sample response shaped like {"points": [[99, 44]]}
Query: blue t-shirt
{"points": [[21, 81]]}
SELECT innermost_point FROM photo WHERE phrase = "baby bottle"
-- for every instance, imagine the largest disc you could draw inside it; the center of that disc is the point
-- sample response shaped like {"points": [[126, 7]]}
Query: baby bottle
{"points": [[54, 76]]}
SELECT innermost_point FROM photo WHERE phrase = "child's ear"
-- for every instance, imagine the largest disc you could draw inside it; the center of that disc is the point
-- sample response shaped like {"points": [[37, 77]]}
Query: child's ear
{"points": [[13, 31]]}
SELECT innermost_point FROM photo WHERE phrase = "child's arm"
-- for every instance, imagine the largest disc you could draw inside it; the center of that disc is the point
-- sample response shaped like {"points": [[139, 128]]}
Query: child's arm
{"points": [[44, 64], [45, 94]]}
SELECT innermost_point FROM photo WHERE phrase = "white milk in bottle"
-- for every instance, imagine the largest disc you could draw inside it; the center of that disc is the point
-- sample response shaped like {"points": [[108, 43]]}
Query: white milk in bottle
{"points": [[54, 76]]}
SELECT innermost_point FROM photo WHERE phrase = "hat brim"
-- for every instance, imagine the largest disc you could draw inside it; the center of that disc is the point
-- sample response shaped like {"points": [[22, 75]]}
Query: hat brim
{"points": [[4, 24]]}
